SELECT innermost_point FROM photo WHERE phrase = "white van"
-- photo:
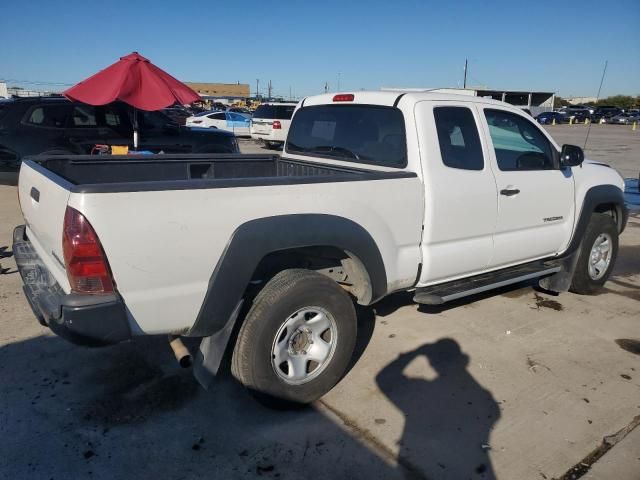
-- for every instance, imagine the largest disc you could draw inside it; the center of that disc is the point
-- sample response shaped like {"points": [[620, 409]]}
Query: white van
{"points": [[270, 123]]}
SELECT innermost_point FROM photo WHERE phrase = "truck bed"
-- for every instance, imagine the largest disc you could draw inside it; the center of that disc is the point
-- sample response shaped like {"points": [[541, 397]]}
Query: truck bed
{"points": [[95, 174], [165, 221]]}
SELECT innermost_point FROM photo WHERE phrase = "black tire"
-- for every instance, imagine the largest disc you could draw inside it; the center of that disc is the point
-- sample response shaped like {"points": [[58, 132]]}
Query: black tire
{"points": [[283, 296], [582, 283]]}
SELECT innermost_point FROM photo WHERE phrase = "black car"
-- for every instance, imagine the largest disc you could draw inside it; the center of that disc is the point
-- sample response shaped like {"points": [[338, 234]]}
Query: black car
{"points": [[177, 113], [546, 118], [605, 113], [576, 113], [54, 125]]}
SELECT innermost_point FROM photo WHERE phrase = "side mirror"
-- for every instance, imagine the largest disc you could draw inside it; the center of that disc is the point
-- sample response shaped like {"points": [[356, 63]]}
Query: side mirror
{"points": [[571, 156]]}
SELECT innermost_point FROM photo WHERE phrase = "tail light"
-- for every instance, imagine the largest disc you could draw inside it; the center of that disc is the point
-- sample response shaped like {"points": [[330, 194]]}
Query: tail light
{"points": [[86, 263], [276, 125]]}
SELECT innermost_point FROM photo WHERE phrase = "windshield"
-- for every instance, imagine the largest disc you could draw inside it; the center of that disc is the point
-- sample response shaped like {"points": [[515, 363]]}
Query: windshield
{"points": [[361, 133]]}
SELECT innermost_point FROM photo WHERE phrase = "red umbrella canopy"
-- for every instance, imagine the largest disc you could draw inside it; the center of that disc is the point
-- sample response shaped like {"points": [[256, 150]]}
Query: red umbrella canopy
{"points": [[133, 80]]}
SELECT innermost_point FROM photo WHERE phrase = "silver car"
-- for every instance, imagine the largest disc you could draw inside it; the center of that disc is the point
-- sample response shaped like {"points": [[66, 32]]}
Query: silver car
{"points": [[624, 119]]}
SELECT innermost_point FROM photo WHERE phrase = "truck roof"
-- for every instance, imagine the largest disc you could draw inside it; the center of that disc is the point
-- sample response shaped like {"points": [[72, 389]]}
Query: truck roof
{"points": [[392, 98]]}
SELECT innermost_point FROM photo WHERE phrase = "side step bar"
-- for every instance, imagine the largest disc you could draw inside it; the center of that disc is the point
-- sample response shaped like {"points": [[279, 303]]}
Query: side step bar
{"points": [[445, 292]]}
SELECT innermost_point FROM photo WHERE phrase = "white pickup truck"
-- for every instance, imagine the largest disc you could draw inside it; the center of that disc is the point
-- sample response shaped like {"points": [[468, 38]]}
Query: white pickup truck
{"points": [[263, 256]]}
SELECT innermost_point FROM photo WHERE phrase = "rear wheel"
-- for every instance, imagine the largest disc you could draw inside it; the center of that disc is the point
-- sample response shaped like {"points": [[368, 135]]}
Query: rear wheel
{"points": [[597, 256], [297, 339]]}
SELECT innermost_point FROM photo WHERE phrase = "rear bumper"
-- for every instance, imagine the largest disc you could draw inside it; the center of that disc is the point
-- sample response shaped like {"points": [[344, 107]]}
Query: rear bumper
{"points": [[91, 320], [272, 136]]}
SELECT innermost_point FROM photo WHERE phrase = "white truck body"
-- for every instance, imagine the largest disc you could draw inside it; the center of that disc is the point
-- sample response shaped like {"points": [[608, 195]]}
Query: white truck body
{"points": [[168, 236]]}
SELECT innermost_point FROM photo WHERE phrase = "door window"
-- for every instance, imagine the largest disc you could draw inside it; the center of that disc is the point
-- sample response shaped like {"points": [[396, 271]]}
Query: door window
{"points": [[518, 143], [48, 116], [83, 116], [458, 137], [112, 117], [217, 116]]}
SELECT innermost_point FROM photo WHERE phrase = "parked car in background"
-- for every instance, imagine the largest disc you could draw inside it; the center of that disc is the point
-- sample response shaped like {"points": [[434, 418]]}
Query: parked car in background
{"points": [[589, 108], [624, 119], [546, 118], [242, 110], [177, 113], [56, 126], [236, 123], [270, 123], [575, 113], [604, 113]]}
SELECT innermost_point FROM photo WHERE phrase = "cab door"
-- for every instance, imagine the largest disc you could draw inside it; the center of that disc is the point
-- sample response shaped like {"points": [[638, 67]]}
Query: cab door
{"points": [[460, 192], [535, 197]]}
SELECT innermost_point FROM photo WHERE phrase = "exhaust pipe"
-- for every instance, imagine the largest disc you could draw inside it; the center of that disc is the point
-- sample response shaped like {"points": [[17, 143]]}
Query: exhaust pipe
{"points": [[180, 351]]}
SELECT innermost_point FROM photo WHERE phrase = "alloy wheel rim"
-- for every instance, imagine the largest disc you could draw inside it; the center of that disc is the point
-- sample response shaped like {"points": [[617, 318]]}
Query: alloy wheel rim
{"points": [[304, 345]]}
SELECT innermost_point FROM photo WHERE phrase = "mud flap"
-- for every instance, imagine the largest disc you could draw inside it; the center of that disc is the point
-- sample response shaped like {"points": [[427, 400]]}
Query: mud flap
{"points": [[561, 281], [211, 351]]}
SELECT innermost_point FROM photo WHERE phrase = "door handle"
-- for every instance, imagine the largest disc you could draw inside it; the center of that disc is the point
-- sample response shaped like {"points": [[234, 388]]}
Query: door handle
{"points": [[509, 192]]}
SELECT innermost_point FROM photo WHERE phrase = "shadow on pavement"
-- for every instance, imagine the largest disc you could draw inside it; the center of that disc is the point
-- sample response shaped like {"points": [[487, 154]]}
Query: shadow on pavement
{"points": [[5, 253], [448, 420], [129, 411]]}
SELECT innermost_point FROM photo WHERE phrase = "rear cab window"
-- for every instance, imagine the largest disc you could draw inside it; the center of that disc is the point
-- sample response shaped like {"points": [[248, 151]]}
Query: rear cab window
{"points": [[458, 138], [370, 134]]}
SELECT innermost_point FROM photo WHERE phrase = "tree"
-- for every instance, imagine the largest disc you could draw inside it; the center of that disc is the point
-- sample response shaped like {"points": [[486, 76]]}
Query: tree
{"points": [[560, 102], [620, 101]]}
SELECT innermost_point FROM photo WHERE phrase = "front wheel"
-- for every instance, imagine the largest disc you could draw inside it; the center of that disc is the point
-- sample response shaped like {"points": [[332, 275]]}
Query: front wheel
{"points": [[597, 256], [297, 339]]}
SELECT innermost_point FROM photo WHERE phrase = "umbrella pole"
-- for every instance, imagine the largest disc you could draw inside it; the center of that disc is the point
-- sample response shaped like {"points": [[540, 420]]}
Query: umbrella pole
{"points": [[135, 128]]}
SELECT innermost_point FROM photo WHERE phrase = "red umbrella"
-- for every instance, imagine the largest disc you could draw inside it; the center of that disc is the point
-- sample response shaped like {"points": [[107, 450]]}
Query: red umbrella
{"points": [[133, 80]]}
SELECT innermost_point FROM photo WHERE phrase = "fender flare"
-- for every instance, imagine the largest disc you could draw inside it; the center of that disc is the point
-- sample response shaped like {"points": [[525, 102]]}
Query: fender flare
{"points": [[255, 239], [598, 195]]}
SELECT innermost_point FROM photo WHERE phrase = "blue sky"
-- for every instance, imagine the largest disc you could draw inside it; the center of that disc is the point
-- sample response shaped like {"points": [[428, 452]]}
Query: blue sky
{"points": [[543, 45]]}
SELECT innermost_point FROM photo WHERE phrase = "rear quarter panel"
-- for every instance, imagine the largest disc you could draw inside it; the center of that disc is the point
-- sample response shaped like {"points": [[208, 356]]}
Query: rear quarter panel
{"points": [[163, 246]]}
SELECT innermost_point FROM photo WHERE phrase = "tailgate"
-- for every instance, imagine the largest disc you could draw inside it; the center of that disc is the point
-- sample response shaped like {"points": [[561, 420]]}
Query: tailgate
{"points": [[43, 200], [262, 126]]}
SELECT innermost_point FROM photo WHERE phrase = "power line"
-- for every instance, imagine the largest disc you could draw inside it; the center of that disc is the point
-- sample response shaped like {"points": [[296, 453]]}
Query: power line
{"points": [[34, 82], [597, 98]]}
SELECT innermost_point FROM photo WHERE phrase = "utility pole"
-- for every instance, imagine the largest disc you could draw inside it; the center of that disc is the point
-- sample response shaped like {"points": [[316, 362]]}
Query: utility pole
{"points": [[290, 97], [464, 84], [326, 87], [257, 90], [269, 90]]}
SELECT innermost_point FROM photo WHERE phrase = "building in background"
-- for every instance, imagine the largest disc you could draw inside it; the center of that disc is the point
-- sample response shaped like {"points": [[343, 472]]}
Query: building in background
{"points": [[221, 92], [536, 102], [27, 92], [581, 100], [4, 93]]}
